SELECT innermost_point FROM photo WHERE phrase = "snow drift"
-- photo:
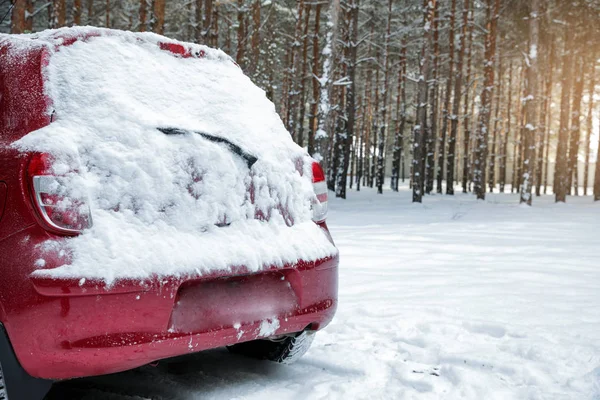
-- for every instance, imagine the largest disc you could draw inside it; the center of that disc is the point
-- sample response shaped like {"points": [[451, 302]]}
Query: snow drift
{"points": [[171, 204]]}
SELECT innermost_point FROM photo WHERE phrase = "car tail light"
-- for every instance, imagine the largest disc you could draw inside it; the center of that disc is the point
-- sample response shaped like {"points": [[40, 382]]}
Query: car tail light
{"points": [[320, 187], [59, 197]]}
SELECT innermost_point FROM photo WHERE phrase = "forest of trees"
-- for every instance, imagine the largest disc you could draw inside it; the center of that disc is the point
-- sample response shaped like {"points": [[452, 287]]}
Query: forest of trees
{"points": [[469, 95]]}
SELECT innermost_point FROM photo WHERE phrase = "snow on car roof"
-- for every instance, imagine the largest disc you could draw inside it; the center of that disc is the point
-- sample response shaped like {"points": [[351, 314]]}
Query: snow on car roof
{"points": [[157, 199]]}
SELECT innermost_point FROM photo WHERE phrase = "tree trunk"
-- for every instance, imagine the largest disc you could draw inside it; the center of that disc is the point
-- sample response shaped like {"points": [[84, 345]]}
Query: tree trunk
{"points": [[531, 105], [198, 21], [466, 113], [589, 129], [375, 124], [241, 35], [368, 124], [143, 15], [158, 18], [445, 113], [515, 179], [504, 150], [29, 15], [575, 126], [597, 171], [90, 12], [314, 102], [107, 14], [77, 12], [401, 115], [255, 37], [17, 22], [422, 93], [486, 100], [361, 141], [213, 39], [494, 155], [432, 132], [545, 120], [384, 101], [58, 14], [302, 79], [326, 83], [293, 78], [561, 165], [208, 21]]}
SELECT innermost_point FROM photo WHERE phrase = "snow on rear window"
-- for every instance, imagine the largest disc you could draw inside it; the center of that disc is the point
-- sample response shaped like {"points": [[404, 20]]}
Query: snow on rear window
{"points": [[173, 204]]}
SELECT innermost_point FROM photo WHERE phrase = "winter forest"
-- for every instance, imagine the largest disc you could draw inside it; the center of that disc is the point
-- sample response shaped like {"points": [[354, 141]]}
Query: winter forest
{"points": [[455, 95]]}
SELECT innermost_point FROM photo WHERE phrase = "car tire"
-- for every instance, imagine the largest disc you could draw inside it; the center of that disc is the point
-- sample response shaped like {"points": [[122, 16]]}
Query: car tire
{"points": [[3, 394], [15, 382], [284, 350]]}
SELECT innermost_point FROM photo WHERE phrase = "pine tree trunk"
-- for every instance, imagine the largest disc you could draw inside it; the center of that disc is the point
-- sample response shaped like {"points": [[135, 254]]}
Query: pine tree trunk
{"points": [[214, 31], [90, 12], [303, 78], [561, 165], [143, 15], [314, 102], [545, 122], [326, 82], [493, 155], [368, 124], [255, 37], [28, 15], [158, 17], [516, 178], [107, 14], [77, 12], [352, 163], [293, 78], [520, 144], [17, 22], [504, 150], [58, 14], [361, 140], [420, 127], [198, 21], [589, 129], [530, 104], [241, 34], [486, 100], [575, 136], [384, 101], [445, 115], [432, 132], [401, 115], [597, 171], [466, 113], [208, 22], [375, 125], [338, 156]]}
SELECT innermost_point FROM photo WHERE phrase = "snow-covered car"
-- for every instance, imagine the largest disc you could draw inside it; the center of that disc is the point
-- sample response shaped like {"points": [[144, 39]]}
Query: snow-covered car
{"points": [[152, 204]]}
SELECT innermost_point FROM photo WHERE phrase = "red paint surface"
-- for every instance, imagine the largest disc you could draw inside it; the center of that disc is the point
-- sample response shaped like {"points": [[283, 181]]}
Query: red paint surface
{"points": [[66, 328]]}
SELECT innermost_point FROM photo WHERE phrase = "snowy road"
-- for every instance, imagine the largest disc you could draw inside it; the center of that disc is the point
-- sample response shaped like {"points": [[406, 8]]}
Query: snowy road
{"points": [[452, 299]]}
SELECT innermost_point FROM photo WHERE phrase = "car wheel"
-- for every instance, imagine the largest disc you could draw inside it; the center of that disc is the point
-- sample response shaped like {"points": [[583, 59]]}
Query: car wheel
{"points": [[286, 349], [3, 394]]}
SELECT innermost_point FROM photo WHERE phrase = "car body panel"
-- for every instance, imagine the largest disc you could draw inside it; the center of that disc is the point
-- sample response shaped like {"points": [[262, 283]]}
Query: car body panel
{"points": [[3, 193]]}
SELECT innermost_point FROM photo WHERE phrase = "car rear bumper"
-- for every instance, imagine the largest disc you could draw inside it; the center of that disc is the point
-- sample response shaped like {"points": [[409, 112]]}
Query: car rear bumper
{"points": [[81, 328]]}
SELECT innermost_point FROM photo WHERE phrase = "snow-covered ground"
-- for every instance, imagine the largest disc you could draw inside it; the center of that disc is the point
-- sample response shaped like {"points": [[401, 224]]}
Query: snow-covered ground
{"points": [[451, 299]]}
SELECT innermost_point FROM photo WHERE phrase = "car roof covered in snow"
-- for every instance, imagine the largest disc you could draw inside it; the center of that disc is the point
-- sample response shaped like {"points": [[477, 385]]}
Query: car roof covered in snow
{"points": [[50, 74]]}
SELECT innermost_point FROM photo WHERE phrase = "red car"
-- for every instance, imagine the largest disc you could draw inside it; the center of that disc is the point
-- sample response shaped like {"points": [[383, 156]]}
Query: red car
{"points": [[229, 248]]}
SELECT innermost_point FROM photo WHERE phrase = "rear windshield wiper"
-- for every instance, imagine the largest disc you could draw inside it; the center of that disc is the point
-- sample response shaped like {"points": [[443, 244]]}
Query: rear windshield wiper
{"points": [[249, 158]]}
